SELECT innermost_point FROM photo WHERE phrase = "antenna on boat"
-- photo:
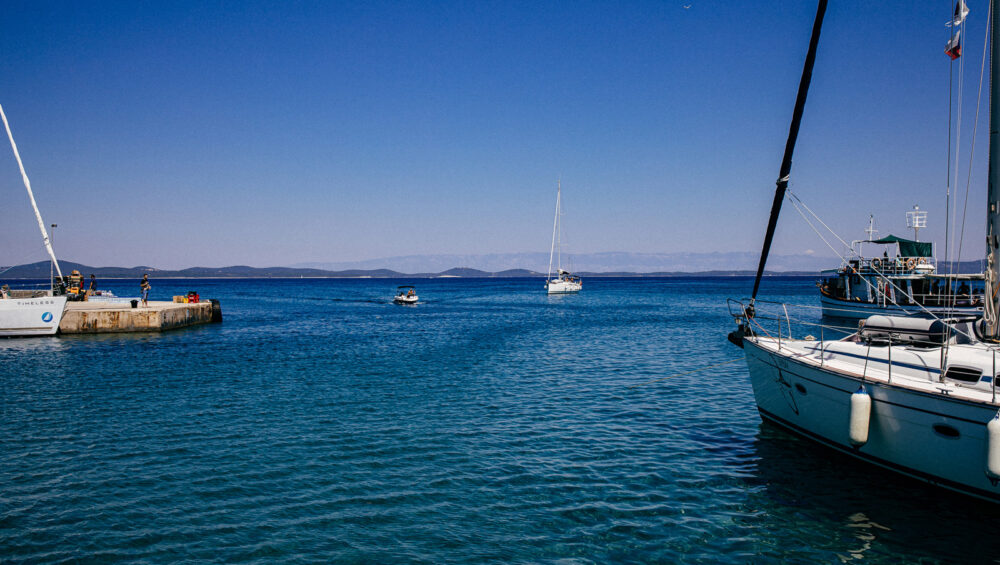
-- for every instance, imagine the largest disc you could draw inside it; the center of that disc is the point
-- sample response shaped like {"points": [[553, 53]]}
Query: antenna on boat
{"points": [[871, 231], [793, 133]]}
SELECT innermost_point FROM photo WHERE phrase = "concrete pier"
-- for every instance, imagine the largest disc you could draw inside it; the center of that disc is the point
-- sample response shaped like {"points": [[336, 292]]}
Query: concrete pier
{"points": [[102, 317]]}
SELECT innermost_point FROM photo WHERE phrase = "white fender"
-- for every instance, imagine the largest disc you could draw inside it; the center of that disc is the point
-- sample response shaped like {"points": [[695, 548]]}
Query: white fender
{"points": [[861, 409], [993, 447]]}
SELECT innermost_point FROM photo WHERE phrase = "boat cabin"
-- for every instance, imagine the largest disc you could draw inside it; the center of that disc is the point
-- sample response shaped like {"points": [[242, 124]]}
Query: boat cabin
{"points": [[907, 277]]}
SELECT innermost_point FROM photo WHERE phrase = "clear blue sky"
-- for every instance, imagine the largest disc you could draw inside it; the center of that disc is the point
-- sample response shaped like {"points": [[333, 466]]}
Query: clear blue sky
{"points": [[211, 134]]}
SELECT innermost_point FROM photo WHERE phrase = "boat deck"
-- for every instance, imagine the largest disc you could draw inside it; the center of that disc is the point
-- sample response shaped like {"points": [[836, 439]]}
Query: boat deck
{"points": [[913, 368]]}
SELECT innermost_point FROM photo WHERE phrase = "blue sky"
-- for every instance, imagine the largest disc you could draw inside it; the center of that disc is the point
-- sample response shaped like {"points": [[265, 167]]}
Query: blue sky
{"points": [[178, 135]]}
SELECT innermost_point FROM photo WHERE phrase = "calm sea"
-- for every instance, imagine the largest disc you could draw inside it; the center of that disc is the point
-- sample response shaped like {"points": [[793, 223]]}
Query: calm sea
{"points": [[490, 423]]}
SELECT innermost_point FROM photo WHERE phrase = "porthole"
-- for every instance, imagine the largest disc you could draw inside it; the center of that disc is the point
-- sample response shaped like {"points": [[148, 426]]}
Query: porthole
{"points": [[945, 430]]}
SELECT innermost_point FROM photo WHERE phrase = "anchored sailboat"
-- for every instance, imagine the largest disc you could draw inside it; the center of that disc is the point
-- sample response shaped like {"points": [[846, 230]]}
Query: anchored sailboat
{"points": [[28, 314], [916, 396], [564, 281]]}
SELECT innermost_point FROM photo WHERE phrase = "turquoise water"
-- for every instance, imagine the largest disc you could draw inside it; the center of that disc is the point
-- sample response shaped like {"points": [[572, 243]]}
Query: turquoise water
{"points": [[488, 424]]}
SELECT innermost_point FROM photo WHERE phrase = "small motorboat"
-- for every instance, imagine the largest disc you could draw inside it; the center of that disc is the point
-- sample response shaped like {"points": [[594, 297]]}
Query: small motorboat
{"points": [[405, 295]]}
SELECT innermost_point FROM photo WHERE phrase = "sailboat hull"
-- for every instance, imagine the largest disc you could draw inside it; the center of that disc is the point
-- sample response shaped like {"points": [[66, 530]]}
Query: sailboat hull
{"points": [[930, 437], [31, 316], [563, 287]]}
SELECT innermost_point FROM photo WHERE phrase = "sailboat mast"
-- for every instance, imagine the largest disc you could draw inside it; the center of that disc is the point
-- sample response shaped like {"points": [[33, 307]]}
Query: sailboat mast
{"points": [[31, 195], [559, 231], [793, 133], [555, 224], [992, 327]]}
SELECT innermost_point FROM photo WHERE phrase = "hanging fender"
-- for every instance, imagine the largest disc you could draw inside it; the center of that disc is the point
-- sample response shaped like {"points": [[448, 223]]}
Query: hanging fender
{"points": [[860, 418]]}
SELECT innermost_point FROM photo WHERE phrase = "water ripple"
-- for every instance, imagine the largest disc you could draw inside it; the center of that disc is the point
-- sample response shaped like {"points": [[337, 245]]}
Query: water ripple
{"points": [[489, 424]]}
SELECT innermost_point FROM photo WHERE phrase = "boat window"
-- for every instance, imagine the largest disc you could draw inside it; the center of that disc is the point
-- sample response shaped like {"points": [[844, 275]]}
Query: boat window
{"points": [[963, 374], [947, 431]]}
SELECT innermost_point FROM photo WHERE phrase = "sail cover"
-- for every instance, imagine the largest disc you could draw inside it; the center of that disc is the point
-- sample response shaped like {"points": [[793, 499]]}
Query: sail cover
{"points": [[908, 247]]}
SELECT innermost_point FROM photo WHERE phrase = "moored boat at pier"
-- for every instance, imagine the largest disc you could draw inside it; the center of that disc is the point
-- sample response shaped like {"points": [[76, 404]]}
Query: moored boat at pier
{"points": [[29, 315], [914, 395]]}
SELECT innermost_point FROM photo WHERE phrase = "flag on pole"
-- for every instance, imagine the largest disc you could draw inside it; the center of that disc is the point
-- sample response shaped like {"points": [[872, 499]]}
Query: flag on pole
{"points": [[954, 47], [961, 10]]}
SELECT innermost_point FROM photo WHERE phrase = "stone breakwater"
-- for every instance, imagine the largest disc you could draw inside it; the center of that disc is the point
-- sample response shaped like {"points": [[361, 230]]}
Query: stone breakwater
{"points": [[97, 317]]}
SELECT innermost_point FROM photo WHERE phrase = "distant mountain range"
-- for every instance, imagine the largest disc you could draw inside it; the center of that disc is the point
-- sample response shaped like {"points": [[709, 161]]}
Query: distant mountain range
{"points": [[41, 271], [496, 265], [611, 262], [617, 262]]}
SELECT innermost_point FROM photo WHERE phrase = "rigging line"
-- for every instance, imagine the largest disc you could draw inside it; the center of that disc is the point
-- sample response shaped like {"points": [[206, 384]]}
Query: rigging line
{"points": [[975, 129], [795, 203], [947, 184], [820, 220], [18, 262], [958, 145], [869, 284], [686, 373]]}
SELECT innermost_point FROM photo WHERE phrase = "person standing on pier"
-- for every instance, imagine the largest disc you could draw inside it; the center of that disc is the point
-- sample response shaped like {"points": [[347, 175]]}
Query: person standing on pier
{"points": [[93, 285], [144, 286]]}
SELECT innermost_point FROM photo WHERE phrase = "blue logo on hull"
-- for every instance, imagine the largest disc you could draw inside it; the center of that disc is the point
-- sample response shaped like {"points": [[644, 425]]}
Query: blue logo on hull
{"points": [[47, 317]]}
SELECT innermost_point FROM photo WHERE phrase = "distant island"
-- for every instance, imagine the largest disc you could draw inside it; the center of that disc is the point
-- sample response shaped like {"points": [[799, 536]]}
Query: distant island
{"points": [[628, 265], [40, 270]]}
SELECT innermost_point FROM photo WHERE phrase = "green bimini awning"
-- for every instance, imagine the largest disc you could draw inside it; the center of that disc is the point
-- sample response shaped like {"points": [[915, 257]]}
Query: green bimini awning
{"points": [[908, 247]]}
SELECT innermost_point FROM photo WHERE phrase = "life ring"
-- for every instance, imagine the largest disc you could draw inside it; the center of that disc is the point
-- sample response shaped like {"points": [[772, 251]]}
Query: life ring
{"points": [[922, 260], [876, 263], [910, 263]]}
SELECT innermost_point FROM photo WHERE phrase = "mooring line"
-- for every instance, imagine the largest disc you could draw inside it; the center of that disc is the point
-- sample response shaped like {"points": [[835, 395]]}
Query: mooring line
{"points": [[687, 373]]}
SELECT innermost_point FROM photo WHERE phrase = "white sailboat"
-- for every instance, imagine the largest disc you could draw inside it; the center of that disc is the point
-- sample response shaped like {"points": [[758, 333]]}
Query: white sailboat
{"points": [[564, 282], [916, 396], [30, 315]]}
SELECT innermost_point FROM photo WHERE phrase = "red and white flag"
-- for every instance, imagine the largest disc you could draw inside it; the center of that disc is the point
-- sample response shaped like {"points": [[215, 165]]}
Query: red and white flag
{"points": [[954, 47], [961, 10]]}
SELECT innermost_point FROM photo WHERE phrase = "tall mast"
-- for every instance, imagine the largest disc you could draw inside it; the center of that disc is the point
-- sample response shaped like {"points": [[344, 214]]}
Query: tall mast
{"points": [[555, 224], [793, 133], [31, 195], [559, 223], [991, 329]]}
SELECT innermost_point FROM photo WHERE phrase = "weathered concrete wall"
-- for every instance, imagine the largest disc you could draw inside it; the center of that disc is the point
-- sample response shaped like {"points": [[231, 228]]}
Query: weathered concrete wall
{"points": [[89, 317]]}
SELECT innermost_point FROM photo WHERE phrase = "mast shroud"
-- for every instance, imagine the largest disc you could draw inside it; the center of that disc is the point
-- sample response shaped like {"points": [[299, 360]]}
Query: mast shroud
{"points": [[991, 325], [793, 133]]}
